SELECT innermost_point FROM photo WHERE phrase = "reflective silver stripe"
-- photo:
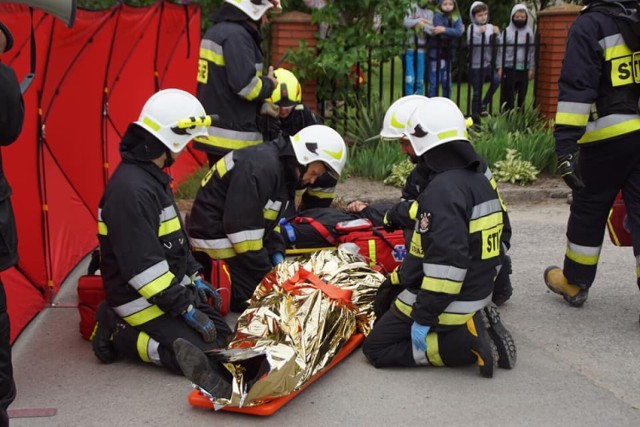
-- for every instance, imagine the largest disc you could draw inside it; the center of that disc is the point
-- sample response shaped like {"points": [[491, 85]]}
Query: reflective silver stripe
{"points": [[638, 260], [168, 213], [574, 107], [246, 91], [152, 351], [149, 275], [488, 174], [186, 280], [458, 307], [611, 41], [610, 120], [420, 357], [99, 214], [212, 46], [259, 68], [591, 251], [447, 272], [235, 134], [273, 205], [132, 307], [245, 236], [486, 208], [322, 189], [222, 243]]}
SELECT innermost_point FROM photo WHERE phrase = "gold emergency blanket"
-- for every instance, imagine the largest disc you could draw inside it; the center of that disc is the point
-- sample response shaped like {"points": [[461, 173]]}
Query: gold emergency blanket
{"points": [[298, 319]]}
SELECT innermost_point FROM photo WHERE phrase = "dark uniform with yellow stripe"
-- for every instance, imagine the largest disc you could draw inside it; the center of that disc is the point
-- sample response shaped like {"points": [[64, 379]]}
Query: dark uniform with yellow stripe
{"points": [[230, 83], [457, 238], [598, 113], [236, 211], [146, 262]]}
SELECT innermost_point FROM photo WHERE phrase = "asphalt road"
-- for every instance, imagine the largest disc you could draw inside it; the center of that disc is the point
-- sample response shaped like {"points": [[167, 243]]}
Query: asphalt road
{"points": [[576, 367]]}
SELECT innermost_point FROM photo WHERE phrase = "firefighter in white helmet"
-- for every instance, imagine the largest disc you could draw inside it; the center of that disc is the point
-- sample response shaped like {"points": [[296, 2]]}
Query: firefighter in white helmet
{"points": [[154, 291], [236, 211], [443, 317], [231, 81]]}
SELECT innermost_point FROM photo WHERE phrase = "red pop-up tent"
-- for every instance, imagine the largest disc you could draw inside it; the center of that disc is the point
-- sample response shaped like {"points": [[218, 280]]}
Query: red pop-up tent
{"points": [[91, 82]]}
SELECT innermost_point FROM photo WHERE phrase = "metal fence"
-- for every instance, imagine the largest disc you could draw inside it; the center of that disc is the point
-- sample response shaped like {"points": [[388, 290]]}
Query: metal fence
{"points": [[449, 69]]}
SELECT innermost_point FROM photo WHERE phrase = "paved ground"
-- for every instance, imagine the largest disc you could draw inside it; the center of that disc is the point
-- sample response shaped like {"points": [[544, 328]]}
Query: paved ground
{"points": [[576, 367]]}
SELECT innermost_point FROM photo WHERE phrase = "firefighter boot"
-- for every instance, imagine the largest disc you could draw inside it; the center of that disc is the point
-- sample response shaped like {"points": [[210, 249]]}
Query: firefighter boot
{"points": [[197, 368], [102, 336], [556, 282], [483, 346], [507, 353]]}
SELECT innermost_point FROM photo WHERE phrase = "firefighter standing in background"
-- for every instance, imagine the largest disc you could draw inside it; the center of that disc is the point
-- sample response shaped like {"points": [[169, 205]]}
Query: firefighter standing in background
{"points": [[230, 80], [236, 210], [154, 293], [292, 117], [597, 116], [441, 318]]}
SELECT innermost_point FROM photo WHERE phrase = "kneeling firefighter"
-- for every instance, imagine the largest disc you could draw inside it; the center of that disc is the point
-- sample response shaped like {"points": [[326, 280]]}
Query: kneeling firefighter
{"points": [[443, 317]]}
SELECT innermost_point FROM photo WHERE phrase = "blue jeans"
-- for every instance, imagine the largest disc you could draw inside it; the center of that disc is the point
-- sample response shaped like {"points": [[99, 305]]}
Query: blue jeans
{"points": [[414, 72], [477, 76], [439, 76]]}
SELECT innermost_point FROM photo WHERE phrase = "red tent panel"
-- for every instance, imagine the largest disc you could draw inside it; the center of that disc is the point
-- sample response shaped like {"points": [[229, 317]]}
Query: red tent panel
{"points": [[23, 299]]}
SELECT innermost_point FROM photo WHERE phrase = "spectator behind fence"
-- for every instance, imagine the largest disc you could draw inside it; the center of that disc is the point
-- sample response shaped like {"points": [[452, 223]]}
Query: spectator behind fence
{"points": [[482, 37], [519, 58], [419, 19], [448, 27]]}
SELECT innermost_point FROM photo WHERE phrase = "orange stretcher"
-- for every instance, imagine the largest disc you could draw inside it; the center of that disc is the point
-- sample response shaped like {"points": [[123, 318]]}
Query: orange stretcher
{"points": [[197, 399]]}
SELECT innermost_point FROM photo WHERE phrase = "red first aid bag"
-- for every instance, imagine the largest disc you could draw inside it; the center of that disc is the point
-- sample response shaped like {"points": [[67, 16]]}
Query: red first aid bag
{"points": [[617, 223], [90, 295], [221, 281], [379, 247]]}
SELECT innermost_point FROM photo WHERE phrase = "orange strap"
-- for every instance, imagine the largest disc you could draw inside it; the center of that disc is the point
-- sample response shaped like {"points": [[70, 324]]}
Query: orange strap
{"points": [[297, 282]]}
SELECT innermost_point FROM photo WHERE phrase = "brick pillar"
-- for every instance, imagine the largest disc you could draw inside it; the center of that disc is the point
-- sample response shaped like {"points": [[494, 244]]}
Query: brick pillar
{"points": [[553, 27], [286, 31]]}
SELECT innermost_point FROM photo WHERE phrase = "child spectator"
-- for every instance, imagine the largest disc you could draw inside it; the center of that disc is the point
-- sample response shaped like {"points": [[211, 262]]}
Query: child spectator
{"points": [[447, 27], [518, 59], [481, 37], [419, 19]]}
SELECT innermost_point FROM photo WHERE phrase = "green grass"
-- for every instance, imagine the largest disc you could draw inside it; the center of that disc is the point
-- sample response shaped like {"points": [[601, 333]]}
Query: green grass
{"points": [[190, 186]]}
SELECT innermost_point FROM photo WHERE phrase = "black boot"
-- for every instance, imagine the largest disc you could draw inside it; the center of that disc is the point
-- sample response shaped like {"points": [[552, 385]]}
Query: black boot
{"points": [[102, 336], [483, 347], [196, 367], [507, 353]]}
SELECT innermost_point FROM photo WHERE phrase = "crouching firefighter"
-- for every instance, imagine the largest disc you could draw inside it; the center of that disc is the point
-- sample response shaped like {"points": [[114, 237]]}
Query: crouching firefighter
{"points": [[236, 211], [443, 317], [154, 293]]}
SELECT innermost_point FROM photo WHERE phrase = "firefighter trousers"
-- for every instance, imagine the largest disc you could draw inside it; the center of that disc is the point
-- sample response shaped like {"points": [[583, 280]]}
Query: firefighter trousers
{"points": [[605, 169], [389, 344]]}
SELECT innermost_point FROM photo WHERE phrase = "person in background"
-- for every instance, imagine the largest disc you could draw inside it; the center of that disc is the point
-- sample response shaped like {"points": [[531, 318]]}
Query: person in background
{"points": [[419, 20], [154, 291], [11, 120], [230, 77], [519, 59], [482, 37], [447, 28]]}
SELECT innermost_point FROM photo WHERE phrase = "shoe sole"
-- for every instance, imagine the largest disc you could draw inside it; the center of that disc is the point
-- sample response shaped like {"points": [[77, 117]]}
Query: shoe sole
{"points": [[196, 367], [104, 352], [575, 301], [505, 345], [490, 361]]}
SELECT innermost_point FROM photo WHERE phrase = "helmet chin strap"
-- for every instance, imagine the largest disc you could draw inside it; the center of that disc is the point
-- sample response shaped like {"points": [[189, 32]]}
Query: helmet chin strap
{"points": [[169, 160], [302, 169]]}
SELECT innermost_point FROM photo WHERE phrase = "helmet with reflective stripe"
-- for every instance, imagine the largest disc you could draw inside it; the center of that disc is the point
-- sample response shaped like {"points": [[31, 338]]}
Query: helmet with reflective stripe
{"points": [[255, 8], [435, 122], [288, 92], [161, 113], [395, 119], [320, 143]]}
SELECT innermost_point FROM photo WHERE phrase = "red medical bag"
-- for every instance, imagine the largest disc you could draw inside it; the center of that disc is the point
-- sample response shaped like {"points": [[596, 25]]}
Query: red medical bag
{"points": [[90, 295], [617, 223], [221, 281]]}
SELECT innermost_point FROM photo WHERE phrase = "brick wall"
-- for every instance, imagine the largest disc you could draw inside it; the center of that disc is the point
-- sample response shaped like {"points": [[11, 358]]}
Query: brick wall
{"points": [[553, 27], [286, 31]]}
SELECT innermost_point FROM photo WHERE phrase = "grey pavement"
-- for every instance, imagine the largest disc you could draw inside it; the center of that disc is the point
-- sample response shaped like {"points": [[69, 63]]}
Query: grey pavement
{"points": [[576, 367]]}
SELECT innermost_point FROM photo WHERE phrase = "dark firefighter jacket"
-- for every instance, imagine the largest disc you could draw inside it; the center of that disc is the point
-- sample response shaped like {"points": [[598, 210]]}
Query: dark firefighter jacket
{"points": [[598, 99], [236, 211], [145, 255], [230, 82], [457, 237]]}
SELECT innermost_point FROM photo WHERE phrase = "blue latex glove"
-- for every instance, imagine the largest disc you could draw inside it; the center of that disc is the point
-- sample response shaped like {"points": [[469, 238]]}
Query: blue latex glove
{"points": [[277, 258], [201, 323], [419, 336], [206, 291]]}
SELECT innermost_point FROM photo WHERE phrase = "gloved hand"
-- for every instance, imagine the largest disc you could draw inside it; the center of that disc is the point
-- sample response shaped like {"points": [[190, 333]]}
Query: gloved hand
{"points": [[277, 258], [567, 170], [201, 323], [419, 336], [206, 291], [388, 224]]}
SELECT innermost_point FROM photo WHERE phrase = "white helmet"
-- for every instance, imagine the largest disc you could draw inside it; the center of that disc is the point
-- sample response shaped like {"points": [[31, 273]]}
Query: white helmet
{"points": [[395, 119], [435, 122], [254, 8], [320, 143], [161, 113]]}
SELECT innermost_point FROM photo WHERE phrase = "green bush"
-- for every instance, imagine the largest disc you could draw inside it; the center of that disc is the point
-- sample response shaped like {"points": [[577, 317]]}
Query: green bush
{"points": [[514, 170]]}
